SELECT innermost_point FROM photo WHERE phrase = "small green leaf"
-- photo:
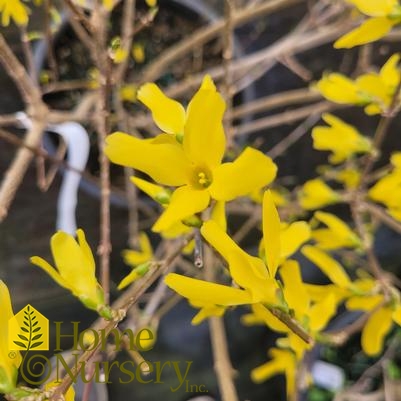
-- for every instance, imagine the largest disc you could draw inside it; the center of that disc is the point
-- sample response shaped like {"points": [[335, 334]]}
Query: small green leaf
{"points": [[34, 345], [24, 329], [36, 330], [36, 337], [34, 324]]}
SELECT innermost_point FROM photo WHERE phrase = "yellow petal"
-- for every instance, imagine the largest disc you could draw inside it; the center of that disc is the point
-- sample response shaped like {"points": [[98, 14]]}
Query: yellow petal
{"points": [[243, 268], [90, 265], [390, 73], [329, 266], [339, 89], [369, 31], [206, 292], [231, 180], [295, 293], [206, 312], [184, 202], [204, 140], [365, 303], [281, 359], [397, 314], [340, 138], [164, 162], [219, 214], [375, 8], [51, 271], [339, 232], [292, 237], [156, 192], [168, 114], [271, 233], [376, 328], [144, 254], [269, 319], [316, 194], [321, 313]]}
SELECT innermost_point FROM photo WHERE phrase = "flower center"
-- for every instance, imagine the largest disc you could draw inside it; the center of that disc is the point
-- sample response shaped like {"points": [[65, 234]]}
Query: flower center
{"points": [[201, 178]]}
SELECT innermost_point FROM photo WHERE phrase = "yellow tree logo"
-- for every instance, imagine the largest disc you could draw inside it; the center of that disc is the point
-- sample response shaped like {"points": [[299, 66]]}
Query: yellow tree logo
{"points": [[28, 330]]}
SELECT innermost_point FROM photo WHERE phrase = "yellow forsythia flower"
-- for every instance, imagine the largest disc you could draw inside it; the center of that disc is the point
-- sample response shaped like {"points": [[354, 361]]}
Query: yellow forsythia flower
{"points": [[139, 260], [342, 139], [388, 189], [75, 268], [384, 14], [340, 89], [283, 361], [8, 366], [336, 235], [373, 90], [14, 9], [253, 275], [316, 194], [190, 158]]}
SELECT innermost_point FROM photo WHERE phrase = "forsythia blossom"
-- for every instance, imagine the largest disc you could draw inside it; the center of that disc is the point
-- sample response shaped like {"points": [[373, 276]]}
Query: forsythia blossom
{"points": [[342, 139], [374, 90], [75, 269], [189, 154], [255, 277]]}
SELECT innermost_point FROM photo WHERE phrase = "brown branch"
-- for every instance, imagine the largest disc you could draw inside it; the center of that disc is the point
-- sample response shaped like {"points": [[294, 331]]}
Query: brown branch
{"points": [[37, 111], [204, 34]]}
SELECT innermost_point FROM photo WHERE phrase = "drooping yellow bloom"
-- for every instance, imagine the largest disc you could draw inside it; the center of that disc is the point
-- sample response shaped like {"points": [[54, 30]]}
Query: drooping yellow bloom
{"points": [[388, 189], [14, 9], [373, 90], [138, 260], [8, 365], [316, 194], [381, 320], [190, 155], [340, 89], [255, 277], [336, 235], [342, 139], [384, 15], [75, 268], [144, 254], [283, 361]]}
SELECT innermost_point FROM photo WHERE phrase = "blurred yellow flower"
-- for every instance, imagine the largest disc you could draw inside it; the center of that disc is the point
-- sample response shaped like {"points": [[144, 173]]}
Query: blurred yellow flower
{"points": [[342, 139], [388, 189], [373, 90], [128, 93], [14, 9], [8, 366], [315, 194], [138, 53], [336, 235]]}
